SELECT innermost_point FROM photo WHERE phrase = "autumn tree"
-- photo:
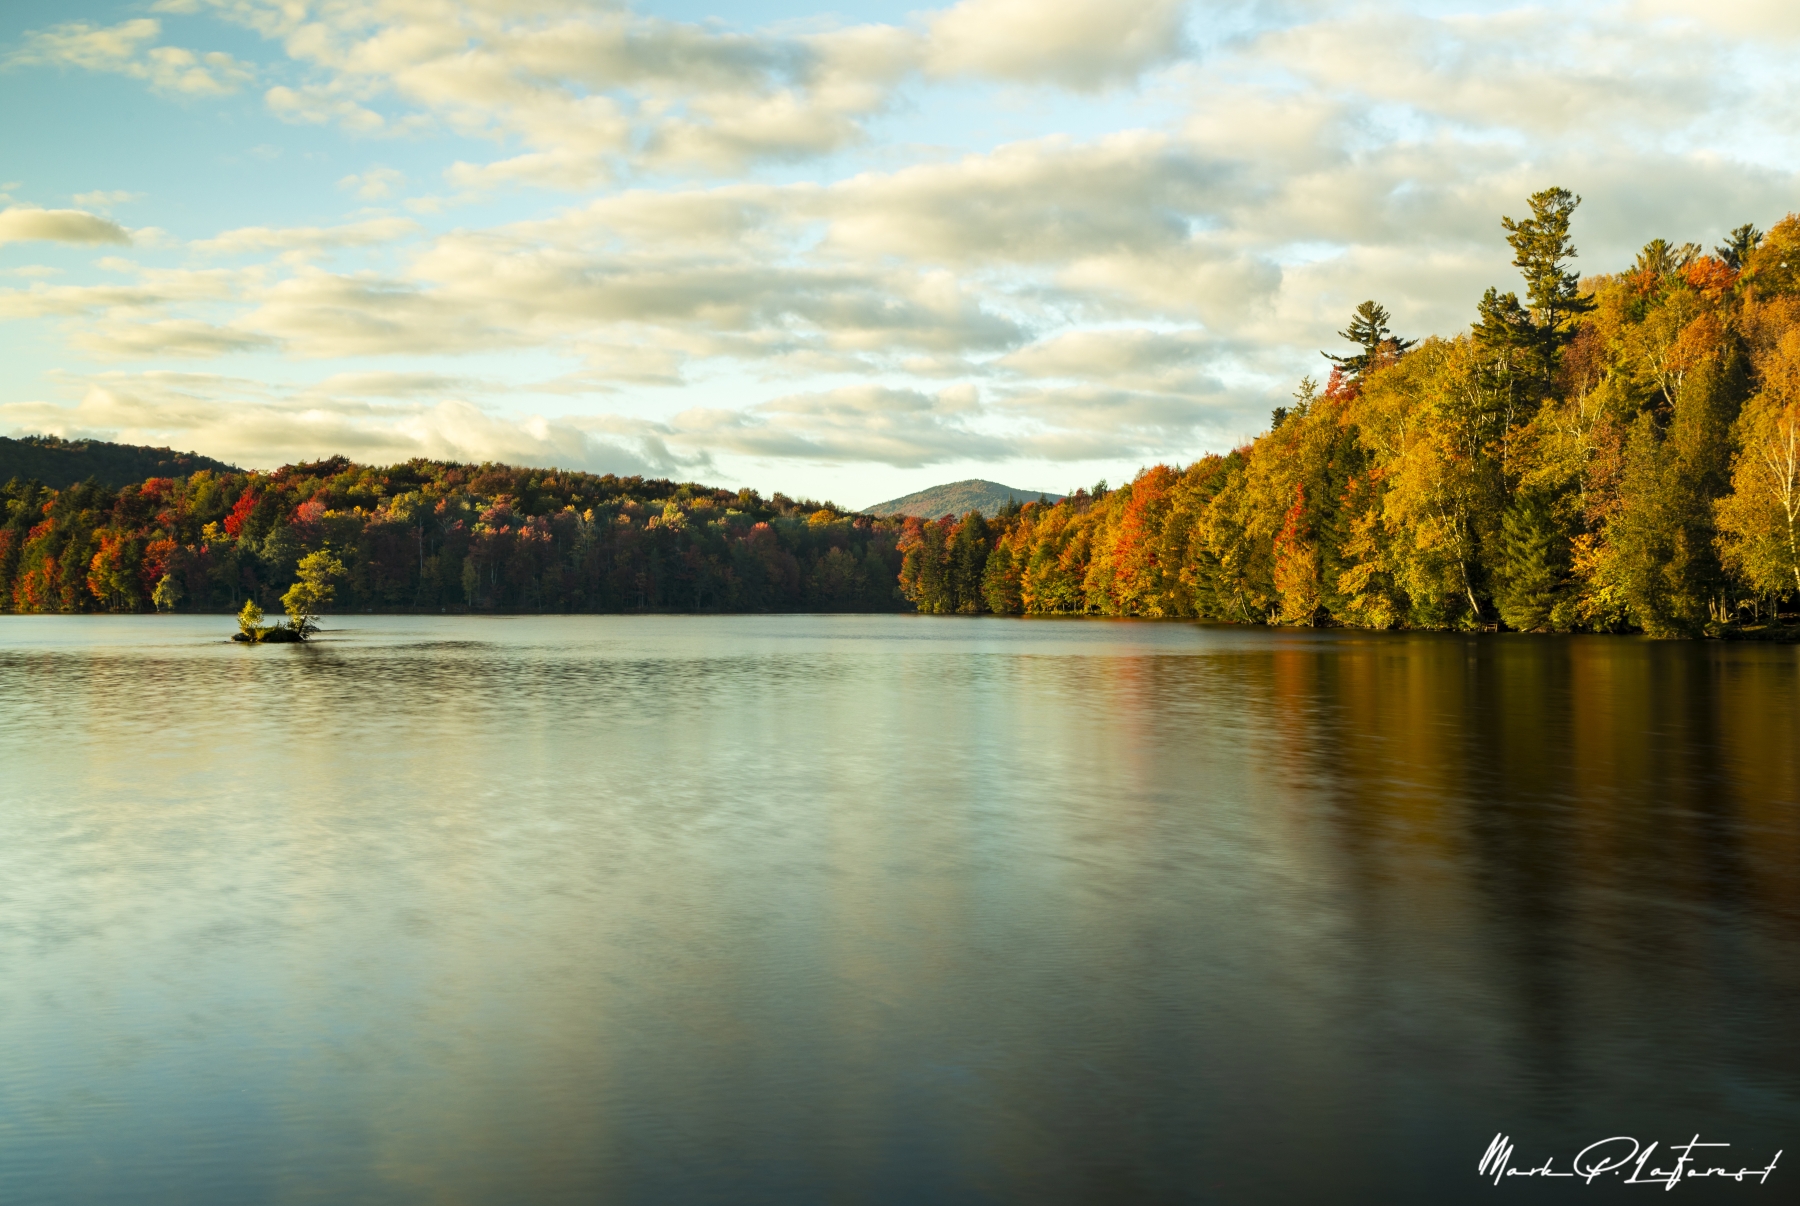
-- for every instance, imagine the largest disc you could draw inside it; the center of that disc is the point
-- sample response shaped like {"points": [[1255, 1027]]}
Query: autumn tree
{"points": [[1772, 268], [1432, 426], [312, 591], [250, 619], [1759, 521]]}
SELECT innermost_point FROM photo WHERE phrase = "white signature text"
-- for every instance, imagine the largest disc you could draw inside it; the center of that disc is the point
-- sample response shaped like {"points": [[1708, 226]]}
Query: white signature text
{"points": [[1627, 1160]]}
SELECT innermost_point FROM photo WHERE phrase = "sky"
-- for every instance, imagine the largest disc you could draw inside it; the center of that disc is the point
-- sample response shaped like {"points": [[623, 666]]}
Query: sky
{"points": [[844, 252]]}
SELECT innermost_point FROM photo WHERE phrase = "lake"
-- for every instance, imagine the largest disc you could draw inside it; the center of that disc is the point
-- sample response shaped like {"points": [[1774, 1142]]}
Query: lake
{"points": [[797, 909]]}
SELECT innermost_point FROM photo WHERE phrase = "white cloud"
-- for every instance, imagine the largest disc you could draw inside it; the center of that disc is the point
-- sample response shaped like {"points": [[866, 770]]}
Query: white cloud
{"points": [[900, 427], [179, 338], [102, 198], [139, 318], [564, 169], [908, 428], [586, 87], [1131, 357], [375, 184], [319, 314], [244, 422], [1084, 44], [1529, 70], [126, 49], [1740, 18], [389, 385], [23, 223], [313, 105], [1031, 202], [307, 238]]}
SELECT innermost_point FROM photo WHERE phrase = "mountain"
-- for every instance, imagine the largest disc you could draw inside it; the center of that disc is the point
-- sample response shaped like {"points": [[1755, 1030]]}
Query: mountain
{"points": [[958, 498], [61, 463]]}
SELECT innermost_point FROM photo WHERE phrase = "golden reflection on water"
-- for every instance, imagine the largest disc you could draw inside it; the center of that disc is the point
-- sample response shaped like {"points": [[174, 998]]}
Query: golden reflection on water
{"points": [[826, 908]]}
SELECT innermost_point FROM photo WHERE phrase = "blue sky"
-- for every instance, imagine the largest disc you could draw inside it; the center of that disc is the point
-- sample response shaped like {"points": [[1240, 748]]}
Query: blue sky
{"points": [[843, 252]]}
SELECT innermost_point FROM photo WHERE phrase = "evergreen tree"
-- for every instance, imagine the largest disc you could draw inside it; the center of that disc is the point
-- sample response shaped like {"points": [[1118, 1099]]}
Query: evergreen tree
{"points": [[1501, 322], [968, 556], [1303, 400], [1368, 330], [1000, 581], [1534, 565], [1540, 246], [1347, 468], [1738, 245]]}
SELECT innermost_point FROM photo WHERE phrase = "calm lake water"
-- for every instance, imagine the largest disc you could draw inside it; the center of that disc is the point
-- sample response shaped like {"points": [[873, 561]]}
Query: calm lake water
{"points": [[885, 909]]}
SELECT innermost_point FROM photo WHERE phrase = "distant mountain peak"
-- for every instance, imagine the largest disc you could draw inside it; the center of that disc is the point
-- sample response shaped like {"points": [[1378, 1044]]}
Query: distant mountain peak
{"points": [[958, 498]]}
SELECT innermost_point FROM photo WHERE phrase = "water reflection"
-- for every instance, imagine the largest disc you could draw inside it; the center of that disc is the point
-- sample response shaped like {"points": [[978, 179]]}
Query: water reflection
{"points": [[869, 908]]}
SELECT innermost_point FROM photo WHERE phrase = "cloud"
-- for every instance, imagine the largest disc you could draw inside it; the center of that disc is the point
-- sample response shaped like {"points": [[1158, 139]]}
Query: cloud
{"points": [[1035, 201], [467, 292], [140, 319], [1134, 358], [125, 49], [315, 105], [113, 340], [458, 431], [375, 184], [307, 238], [1081, 44], [22, 223], [1760, 19], [1078, 422], [105, 197], [389, 385], [319, 314], [910, 429], [572, 170], [1530, 70], [79, 44], [589, 89], [245, 422], [900, 427]]}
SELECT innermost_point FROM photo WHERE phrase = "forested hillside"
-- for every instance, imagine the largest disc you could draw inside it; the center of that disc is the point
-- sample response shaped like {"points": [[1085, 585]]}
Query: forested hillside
{"points": [[58, 462], [958, 498], [1615, 454], [434, 536], [1609, 455]]}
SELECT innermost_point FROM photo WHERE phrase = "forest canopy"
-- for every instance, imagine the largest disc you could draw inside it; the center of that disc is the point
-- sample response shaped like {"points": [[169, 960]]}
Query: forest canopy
{"points": [[433, 536], [1613, 453]]}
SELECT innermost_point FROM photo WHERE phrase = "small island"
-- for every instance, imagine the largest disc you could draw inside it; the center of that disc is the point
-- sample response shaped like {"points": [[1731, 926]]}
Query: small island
{"points": [[311, 592]]}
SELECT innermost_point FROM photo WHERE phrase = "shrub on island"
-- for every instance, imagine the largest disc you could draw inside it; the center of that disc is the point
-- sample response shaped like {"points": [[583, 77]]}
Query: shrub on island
{"points": [[311, 591]]}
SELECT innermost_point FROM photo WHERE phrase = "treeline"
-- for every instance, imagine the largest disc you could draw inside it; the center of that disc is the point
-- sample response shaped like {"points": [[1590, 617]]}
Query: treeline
{"points": [[59, 462], [1612, 454], [1620, 453], [432, 536]]}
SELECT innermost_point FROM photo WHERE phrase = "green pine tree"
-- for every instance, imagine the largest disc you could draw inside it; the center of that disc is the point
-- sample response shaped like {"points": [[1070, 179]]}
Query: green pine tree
{"points": [[1553, 295], [1534, 565], [1368, 330], [1738, 245], [968, 559]]}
